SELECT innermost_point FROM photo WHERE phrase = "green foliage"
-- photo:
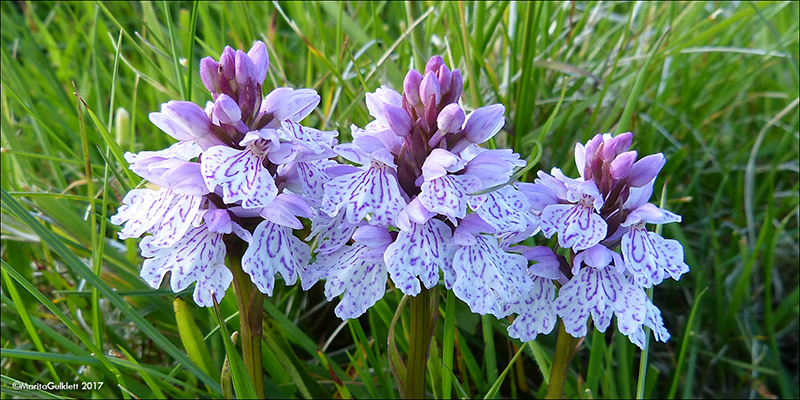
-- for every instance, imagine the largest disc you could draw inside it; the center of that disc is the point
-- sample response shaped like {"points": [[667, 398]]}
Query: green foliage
{"points": [[712, 85]]}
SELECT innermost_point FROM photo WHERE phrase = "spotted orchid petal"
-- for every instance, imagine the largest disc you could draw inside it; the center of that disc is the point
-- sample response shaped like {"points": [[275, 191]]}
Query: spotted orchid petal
{"points": [[240, 174], [177, 220], [535, 311], [487, 278], [274, 250], [448, 195], [504, 209], [578, 226], [420, 253], [141, 210], [373, 191], [198, 256], [601, 293], [652, 320], [361, 279], [647, 256], [332, 233]]}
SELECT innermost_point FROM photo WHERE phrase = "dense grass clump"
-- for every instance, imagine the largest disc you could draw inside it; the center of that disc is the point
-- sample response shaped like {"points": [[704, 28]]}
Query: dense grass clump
{"points": [[712, 85]]}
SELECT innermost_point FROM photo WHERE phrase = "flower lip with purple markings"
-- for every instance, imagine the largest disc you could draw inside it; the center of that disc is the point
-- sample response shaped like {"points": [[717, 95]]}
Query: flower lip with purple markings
{"points": [[419, 180], [243, 167], [605, 208]]}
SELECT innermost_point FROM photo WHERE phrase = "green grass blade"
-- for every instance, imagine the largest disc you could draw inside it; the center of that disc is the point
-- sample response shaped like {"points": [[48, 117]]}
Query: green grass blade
{"points": [[242, 383]]}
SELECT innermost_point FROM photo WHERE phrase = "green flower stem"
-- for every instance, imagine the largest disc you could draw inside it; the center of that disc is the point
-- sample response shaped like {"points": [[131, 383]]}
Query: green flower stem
{"points": [[565, 350], [424, 311], [251, 311]]}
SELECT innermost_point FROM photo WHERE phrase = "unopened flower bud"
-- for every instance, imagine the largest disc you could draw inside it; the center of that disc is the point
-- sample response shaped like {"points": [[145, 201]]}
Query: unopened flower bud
{"points": [[245, 69], [451, 119], [398, 120], [209, 74], [433, 64], [616, 145], [484, 123], [411, 87], [429, 90], [622, 164], [646, 169], [258, 53], [226, 110], [445, 78], [227, 63]]}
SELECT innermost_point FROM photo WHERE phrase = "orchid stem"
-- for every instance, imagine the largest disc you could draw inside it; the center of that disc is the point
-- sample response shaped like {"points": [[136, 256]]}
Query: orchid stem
{"points": [[251, 311], [424, 311], [565, 350]]}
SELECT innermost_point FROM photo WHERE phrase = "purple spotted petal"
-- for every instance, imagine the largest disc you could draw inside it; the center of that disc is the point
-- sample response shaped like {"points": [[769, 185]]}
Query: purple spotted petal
{"points": [[198, 256], [535, 311], [650, 214], [448, 195], [274, 250], [141, 210], [488, 279], [177, 220], [578, 226], [332, 233], [363, 281], [240, 174], [504, 209], [601, 293], [641, 256], [420, 253], [372, 191]]}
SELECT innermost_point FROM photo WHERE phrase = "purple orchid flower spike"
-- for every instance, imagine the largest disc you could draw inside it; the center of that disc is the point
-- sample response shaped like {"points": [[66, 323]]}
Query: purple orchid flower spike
{"points": [[420, 177], [243, 168], [605, 208]]}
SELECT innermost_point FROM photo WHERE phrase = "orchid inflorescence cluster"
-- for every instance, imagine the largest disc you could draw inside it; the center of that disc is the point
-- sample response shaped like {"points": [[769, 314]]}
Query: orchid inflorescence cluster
{"points": [[421, 200]]}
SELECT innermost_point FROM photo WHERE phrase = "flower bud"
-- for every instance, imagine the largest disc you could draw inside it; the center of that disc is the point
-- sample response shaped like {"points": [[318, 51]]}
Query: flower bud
{"points": [[227, 63], [429, 90], [245, 69], [484, 123], [445, 78], [622, 164], [456, 86], [182, 120], [411, 87], [209, 74], [433, 64], [646, 169], [258, 53], [616, 145], [451, 119]]}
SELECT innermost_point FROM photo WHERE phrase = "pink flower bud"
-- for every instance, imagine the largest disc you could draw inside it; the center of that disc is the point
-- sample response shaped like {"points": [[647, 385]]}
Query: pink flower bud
{"points": [[451, 119], [484, 123]]}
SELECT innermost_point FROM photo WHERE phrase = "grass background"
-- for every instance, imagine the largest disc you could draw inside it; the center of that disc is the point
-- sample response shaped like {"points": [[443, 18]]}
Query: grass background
{"points": [[712, 85]]}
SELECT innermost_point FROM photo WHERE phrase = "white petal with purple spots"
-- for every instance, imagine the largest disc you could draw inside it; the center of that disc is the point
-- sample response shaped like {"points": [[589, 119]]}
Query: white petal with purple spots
{"points": [[177, 220], [142, 209], [578, 226], [241, 175], [448, 195], [648, 255], [505, 210], [274, 250], [535, 311], [487, 278], [198, 256], [421, 252], [373, 191], [361, 279]]}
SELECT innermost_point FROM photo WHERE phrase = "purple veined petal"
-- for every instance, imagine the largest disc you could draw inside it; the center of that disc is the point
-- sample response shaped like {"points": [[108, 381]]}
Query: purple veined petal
{"points": [[413, 213], [586, 193], [361, 281], [650, 214], [539, 196], [547, 180], [575, 300], [646, 169], [420, 253], [312, 176], [177, 220], [274, 250], [373, 191], [578, 226], [331, 233], [627, 300], [258, 53], [195, 257], [640, 255], [546, 265], [484, 123], [535, 311], [448, 195], [439, 162], [352, 152], [215, 279], [313, 139], [242, 233], [670, 255], [488, 279], [504, 209], [240, 174], [282, 153], [141, 210]]}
